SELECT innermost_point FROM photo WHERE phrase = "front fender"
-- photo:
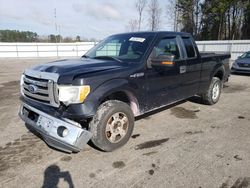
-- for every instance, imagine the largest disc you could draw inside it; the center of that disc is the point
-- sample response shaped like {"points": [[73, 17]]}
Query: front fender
{"points": [[89, 107], [109, 87]]}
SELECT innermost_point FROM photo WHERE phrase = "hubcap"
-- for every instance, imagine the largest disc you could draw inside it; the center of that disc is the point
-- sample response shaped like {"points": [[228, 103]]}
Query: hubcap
{"points": [[117, 127], [216, 91]]}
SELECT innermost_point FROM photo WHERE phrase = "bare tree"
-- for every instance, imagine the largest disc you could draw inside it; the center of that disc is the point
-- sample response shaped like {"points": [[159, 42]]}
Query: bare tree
{"points": [[140, 6], [154, 12], [172, 14], [132, 25]]}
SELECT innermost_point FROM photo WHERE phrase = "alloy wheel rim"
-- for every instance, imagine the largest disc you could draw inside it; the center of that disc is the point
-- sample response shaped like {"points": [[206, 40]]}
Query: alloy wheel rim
{"points": [[215, 91], [117, 127]]}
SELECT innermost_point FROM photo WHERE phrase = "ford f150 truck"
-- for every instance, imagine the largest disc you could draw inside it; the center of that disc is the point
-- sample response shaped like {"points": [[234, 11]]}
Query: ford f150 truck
{"points": [[96, 97]]}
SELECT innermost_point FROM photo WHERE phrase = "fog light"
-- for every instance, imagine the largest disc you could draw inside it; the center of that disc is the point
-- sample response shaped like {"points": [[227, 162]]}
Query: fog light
{"points": [[62, 131]]}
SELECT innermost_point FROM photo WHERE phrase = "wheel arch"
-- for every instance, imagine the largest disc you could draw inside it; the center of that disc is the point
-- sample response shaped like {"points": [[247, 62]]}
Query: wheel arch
{"points": [[219, 72], [117, 89], [123, 96]]}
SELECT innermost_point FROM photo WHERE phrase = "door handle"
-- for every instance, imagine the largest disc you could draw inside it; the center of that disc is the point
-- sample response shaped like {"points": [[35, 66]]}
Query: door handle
{"points": [[183, 69]]}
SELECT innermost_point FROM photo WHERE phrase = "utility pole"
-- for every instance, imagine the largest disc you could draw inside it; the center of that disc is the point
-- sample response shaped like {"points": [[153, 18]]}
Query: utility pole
{"points": [[55, 24], [197, 18], [59, 31]]}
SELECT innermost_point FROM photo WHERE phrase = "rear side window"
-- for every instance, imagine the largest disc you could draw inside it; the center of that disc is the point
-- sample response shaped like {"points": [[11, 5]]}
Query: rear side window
{"points": [[189, 47]]}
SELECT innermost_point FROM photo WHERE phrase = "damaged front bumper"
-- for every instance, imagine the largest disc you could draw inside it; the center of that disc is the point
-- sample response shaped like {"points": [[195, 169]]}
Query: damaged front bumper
{"points": [[62, 134]]}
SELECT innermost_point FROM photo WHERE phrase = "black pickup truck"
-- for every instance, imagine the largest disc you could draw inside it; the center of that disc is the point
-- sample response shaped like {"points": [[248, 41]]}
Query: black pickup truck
{"points": [[97, 96]]}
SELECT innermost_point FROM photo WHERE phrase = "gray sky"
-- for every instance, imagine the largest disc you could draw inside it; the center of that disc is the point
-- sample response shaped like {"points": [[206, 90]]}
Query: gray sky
{"points": [[93, 18]]}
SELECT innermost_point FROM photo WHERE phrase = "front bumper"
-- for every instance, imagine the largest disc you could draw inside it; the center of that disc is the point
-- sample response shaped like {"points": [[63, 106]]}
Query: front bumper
{"points": [[49, 127], [240, 69]]}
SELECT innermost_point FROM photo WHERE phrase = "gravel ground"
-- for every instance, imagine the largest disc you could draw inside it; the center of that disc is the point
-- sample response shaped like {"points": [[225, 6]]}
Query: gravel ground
{"points": [[185, 145]]}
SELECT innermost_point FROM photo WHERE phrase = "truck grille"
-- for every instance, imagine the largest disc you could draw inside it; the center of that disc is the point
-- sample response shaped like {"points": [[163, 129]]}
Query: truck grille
{"points": [[40, 90]]}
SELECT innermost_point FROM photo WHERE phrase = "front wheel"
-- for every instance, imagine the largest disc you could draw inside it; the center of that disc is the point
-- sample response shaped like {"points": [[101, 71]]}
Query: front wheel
{"points": [[112, 125], [213, 93]]}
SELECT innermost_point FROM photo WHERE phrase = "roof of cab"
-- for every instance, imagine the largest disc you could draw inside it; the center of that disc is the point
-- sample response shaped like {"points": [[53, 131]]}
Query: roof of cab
{"points": [[157, 32]]}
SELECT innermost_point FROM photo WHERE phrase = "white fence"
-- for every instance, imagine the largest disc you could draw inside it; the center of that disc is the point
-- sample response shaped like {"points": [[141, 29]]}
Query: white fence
{"points": [[36, 50], [235, 47]]}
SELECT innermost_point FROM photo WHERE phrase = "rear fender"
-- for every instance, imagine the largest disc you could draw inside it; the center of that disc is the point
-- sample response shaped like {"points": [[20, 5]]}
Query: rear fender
{"points": [[218, 68]]}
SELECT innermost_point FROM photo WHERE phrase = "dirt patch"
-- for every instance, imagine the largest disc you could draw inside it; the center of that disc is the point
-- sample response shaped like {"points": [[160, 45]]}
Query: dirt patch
{"points": [[151, 172], [193, 132], [8, 88], [219, 156], [150, 153], [183, 113], [118, 164], [25, 150], [66, 158], [92, 175], [233, 88], [224, 185], [9, 93], [135, 136], [11, 83], [214, 127], [151, 144], [241, 117], [237, 158], [242, 183]]}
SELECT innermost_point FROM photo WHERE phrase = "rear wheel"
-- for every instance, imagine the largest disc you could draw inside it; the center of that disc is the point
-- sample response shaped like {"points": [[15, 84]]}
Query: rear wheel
{"points": [[112, 125], [213, 93]]}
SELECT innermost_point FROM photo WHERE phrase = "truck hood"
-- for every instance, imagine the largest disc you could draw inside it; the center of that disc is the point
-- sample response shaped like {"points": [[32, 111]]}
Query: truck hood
{"points": [[69, 68]]}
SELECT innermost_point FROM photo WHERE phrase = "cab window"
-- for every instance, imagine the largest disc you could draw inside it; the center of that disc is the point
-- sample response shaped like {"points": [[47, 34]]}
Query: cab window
{"points": [[189, 47], [167, 46]]}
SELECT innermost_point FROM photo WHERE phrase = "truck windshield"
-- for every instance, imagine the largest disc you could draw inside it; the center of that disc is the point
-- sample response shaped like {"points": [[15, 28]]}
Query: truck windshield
{"points": [[124, 48]]}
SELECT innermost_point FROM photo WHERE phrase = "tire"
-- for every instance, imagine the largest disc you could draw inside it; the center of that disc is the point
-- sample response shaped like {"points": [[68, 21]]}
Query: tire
{"points": [[112, 126], [213, 93]]}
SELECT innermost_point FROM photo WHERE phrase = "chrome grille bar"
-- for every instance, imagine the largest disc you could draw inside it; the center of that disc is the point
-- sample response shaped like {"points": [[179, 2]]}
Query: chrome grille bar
{"points": [[45, 89], [42, 91], [35, 82], [36, 96]]}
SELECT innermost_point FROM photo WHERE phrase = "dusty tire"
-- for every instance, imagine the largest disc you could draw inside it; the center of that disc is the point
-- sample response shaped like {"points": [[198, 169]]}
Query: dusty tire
{"points": [[112, 125], [213, 93]]}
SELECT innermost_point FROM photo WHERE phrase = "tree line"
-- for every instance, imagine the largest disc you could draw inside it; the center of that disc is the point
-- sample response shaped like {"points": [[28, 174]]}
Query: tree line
{"points": [[28, 36], [214, 19], [204, 19]]}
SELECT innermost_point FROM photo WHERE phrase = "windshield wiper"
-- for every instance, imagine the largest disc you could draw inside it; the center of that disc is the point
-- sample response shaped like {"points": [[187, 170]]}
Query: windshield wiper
{"points": [[108, 57]]}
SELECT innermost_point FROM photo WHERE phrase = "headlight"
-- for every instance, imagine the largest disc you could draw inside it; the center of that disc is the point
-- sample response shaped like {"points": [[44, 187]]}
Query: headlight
{"points": [[73, 94]]}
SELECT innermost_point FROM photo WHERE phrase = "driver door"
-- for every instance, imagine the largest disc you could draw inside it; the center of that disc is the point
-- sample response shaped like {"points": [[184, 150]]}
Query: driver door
{"points": [[163, 82]]}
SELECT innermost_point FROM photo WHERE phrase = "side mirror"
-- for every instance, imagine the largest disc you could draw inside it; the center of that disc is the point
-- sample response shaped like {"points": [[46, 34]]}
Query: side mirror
{"points": [[163, 61], [239, 57]]}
